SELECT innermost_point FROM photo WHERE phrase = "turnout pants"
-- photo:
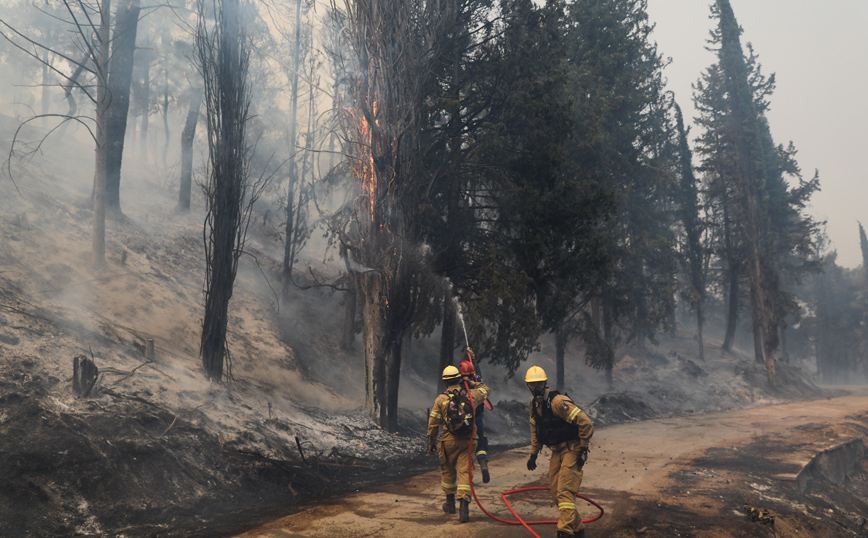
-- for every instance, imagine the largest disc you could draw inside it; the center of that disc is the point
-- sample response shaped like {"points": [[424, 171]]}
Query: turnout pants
{"points": [[565, 477], [482, 442], [454, 474]]}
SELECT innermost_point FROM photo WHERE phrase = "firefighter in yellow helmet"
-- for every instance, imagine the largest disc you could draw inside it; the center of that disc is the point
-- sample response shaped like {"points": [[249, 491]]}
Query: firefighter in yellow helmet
{"points": [[454, 412], [556, 422]]}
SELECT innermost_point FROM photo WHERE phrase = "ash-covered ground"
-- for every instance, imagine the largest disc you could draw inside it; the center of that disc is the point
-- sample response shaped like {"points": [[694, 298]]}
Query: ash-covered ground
{"points": [[160, 451]]}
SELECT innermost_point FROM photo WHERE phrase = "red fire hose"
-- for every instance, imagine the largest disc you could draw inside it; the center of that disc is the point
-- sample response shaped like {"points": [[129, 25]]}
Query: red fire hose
{"points": [[503, 495]]}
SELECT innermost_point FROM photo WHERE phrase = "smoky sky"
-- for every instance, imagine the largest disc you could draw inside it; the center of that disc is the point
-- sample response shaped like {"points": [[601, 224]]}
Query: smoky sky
{"points": [[820, 61]]}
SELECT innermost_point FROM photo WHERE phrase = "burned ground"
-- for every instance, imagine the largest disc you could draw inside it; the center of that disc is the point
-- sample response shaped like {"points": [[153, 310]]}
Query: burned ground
{"points": [[160, 451], [711, 496]]}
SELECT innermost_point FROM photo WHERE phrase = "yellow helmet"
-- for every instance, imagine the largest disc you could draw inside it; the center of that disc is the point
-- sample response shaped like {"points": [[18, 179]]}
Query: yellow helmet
{"points": [[451, 373], [535, 373]]}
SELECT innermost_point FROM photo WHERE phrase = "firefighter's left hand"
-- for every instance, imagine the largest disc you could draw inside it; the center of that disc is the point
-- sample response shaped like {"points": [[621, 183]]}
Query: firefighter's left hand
{"points": [[583, 456], [432, 448]]}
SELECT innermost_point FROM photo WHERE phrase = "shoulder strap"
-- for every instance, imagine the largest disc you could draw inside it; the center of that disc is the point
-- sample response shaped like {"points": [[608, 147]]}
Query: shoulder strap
{"points": [[552, 394]]}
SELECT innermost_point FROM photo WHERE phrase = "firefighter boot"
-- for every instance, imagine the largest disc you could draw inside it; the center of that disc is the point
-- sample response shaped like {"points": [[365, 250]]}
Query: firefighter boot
{"points": [[449, 504], [463, 511], [483, 465]]}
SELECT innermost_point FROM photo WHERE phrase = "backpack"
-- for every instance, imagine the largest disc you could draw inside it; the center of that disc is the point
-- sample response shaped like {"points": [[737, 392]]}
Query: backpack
{"points": [[459, 413]]}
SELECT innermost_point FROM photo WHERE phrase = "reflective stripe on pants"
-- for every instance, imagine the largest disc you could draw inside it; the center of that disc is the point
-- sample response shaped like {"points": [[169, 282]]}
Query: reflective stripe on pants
{"points": [[565, 477], [453, 467]]}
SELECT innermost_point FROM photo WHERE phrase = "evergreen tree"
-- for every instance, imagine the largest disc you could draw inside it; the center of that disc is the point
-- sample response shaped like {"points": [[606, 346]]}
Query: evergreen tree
{"points": [[763, 219], [621, 145], [863, 245], [692, 251]]}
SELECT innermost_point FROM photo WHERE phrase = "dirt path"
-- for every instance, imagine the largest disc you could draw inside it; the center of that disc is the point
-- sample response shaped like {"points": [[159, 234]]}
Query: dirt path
{"points": [[685, 476]]}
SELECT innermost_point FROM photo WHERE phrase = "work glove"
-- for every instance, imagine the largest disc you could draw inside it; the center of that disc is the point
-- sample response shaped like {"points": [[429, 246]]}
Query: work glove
{"points": [[583, 456], [432, 447], [531, 462]]}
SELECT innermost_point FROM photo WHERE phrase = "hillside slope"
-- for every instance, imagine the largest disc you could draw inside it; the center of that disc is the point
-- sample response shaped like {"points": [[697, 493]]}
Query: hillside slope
{"points": [[160, 451]]}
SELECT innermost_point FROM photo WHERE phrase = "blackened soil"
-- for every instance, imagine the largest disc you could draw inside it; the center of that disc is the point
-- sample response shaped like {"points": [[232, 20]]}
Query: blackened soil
{"points": [[120, 465]]}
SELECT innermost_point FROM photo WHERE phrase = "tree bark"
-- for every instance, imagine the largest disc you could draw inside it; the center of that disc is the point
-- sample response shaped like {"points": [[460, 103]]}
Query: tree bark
{"points": [[224, 62], [785, 353], [146, 103], [188, 135], [447, 333], [120, 79], [609, 335], [102, 105], [757, 334], [375, 336], [349, 332], [294, 180], [731, 309], [560, 352], [45, 63], [166, 133], [700, 323], [673, 319]]}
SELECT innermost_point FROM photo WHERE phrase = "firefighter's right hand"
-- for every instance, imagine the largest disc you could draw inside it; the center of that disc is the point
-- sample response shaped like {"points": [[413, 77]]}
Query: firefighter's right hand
{"points": [[531, 462], [432, 448]]}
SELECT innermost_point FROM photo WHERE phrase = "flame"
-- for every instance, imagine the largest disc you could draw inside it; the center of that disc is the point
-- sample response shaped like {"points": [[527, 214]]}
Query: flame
{"points": [[363, 167]]}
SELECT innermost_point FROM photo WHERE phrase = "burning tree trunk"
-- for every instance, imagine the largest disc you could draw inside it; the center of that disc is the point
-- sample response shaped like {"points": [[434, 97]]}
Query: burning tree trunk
{"points": [[394, 44], [383, 319], [223, 60]]}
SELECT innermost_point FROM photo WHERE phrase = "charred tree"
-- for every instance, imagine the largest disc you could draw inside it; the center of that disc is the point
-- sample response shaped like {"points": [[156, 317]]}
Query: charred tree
{"points": [[294, 183], [94, 39], [120, 79], [393, 44], [223, 60], [102, 112], [447, 332]]}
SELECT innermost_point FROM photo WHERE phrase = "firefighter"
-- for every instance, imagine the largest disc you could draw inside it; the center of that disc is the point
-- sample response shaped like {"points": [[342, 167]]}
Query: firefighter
{"points": [[556, 422], [468, 373], [454, 448]]}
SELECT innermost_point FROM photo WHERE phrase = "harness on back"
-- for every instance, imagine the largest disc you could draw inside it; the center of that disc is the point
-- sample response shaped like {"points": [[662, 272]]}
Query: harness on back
{"points": [[458, 418], [552, 429]]}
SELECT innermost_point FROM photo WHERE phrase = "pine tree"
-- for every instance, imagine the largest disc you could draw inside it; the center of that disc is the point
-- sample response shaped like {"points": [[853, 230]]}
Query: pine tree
{"points": [[743, 127], [621, 145], [863, 244], [763, 218], [692, 251]]}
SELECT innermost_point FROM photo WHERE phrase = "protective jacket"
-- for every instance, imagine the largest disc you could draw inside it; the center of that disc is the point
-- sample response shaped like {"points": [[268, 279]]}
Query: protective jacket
{"points": [[454, 449], [555, 419], [556, 422]]}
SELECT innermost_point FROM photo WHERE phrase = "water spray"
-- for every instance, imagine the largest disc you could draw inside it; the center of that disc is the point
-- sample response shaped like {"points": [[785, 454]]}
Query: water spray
{"points": [[461, 318], [469, 352]]}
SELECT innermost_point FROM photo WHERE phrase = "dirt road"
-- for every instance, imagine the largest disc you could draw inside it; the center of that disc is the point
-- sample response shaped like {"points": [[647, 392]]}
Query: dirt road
{"points": [[687, 476]]}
